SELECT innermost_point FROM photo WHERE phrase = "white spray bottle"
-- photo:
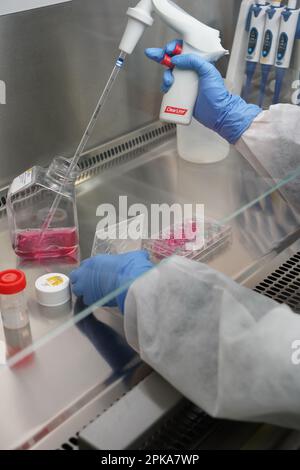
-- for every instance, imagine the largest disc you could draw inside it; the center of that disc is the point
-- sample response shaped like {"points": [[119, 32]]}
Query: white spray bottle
{"points": [[178, 104]]}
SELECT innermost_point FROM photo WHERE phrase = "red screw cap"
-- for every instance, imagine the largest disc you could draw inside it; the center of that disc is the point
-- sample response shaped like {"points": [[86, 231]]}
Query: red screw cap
{"points": [[12, 282]]}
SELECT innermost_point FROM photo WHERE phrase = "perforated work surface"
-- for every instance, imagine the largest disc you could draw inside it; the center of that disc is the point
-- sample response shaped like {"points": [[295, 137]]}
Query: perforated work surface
{"points": [[283, 285]]}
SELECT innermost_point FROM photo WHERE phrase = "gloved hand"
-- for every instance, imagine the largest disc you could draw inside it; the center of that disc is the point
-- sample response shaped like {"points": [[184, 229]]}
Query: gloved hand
{"points": [[100, 276], [228, 115]]}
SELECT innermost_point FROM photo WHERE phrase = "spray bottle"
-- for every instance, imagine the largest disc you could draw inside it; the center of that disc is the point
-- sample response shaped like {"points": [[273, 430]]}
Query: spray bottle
{"points": [[178, 104]]}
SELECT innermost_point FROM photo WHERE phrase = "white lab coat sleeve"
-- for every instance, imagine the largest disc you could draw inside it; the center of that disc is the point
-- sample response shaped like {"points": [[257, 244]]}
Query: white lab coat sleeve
{"points": [[226, 348], [272, 147]]}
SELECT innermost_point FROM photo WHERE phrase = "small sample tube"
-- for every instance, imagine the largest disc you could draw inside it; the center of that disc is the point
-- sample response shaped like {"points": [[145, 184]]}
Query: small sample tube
{"points": [[14, 313]]}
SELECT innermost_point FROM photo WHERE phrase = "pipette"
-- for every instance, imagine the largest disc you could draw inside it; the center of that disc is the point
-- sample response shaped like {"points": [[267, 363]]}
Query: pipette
{"points": [[255, 26], [289, 32], [269, 48], [84, 140]]}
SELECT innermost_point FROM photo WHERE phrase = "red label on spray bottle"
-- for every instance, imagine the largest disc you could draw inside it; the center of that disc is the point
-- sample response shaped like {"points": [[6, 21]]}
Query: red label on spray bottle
{"points": [[177, 111]]}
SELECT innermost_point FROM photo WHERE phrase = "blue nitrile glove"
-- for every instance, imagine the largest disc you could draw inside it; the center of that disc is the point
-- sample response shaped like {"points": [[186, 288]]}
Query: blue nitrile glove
{"points": [[102, 275], [228, 115]]}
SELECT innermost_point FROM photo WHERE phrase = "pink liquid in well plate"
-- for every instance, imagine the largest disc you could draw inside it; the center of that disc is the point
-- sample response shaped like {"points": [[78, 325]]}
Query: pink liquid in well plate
{"points": [[55, 243], [175, 240]]}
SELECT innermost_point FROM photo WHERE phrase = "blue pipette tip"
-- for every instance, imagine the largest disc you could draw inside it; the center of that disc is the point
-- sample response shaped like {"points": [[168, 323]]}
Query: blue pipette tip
{"points": [[280, 73], [250, 71], [265, 72]]}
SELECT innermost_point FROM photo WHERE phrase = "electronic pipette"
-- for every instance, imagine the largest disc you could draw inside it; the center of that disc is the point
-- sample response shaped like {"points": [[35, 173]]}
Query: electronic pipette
{"points": [[255, 26], [288, 33], [269, 47]]}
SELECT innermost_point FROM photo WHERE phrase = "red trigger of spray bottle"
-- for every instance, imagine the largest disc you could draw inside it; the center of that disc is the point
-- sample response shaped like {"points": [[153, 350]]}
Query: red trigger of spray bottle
{"points": [[167, 60]]}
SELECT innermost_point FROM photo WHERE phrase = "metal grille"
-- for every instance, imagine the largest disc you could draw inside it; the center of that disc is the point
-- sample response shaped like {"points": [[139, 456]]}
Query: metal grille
{"points": [[123, 149], [283, 285], [72, 444], [184, 431]]}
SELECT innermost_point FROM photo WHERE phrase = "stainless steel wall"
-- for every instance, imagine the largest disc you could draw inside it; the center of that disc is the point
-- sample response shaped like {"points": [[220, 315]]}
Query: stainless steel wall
{"points": [[56, 60]]}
